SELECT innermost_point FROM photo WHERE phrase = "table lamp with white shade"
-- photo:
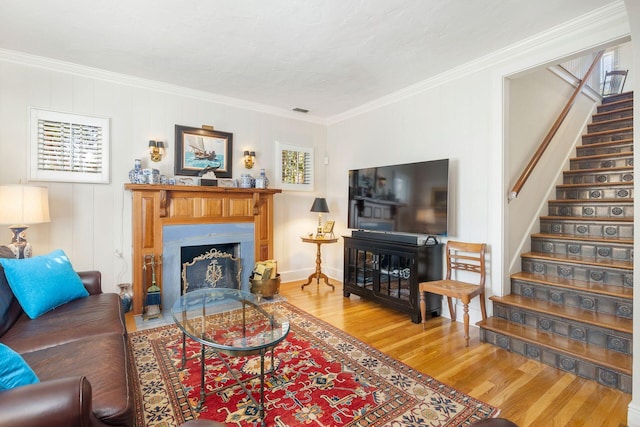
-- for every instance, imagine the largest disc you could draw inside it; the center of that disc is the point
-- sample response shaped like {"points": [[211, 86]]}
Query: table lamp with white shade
{"points": [[20, 206]]}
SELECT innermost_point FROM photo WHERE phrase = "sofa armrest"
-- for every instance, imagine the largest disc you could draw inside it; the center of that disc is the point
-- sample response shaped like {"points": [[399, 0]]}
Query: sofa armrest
{"points": [[92, 280], [60, 402]]}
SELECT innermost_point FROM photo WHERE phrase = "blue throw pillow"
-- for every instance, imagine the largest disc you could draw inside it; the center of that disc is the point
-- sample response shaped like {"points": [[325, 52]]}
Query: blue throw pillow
{"points": [[43, 283], [14, 371]]}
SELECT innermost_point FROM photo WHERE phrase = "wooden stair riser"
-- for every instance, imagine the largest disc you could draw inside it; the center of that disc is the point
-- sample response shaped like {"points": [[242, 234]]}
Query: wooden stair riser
{"points": [[591, 209], [617, 135], [604, 162], [623, 146], [588, 273], [598, 176], [616, 123], [562, 361], [621, 307], [598, 250], [595, 191], [611, 106], [622, 113], [585, 228], [619, 97], [548, 322]]}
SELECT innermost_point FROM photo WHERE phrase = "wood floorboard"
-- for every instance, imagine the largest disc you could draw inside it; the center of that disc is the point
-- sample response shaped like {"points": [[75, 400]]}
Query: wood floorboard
{"points": [[527, 392]]}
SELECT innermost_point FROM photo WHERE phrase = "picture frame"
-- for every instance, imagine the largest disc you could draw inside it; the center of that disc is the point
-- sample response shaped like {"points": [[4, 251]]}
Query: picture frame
{"points": [[199, 150], [328, 228]]}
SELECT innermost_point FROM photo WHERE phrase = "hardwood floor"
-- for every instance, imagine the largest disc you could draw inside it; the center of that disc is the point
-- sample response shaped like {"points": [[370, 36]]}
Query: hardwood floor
{"points": [[529, 393]]}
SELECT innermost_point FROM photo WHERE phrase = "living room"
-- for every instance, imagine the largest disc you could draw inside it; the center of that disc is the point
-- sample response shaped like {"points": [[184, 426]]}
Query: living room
{"points": [[457, 114]]}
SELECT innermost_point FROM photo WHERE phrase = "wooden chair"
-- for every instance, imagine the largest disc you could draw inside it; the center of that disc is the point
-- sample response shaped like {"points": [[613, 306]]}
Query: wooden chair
{"points": [[461, 257]]}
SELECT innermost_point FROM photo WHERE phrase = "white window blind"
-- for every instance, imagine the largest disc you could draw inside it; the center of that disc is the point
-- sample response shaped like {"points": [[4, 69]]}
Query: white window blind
{"points": [[69, 147], [295, 167]]}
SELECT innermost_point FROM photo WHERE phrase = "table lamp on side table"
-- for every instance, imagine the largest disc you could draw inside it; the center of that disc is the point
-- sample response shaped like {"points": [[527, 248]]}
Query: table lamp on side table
{"points": [[21, 205], [320, 206]]}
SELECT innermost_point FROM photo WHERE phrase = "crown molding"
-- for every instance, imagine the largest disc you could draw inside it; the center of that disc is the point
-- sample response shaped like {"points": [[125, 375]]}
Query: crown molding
{"points": [[141, 83], [610, 22]]}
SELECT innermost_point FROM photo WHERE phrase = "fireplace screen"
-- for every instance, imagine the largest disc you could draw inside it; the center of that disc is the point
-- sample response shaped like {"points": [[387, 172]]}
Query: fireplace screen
{"points": [[212, 269]]}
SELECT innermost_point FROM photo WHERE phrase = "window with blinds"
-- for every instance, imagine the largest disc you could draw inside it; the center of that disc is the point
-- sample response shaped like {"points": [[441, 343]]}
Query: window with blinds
{"points": [[295, 167], [69, 147]]}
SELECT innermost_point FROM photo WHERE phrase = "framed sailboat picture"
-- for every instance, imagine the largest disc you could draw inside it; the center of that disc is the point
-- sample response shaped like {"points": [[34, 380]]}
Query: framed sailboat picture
{"points": [[200, 150]]}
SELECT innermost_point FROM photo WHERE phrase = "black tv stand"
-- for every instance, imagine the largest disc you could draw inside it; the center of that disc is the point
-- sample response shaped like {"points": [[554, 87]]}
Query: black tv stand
{"points": [[389, 272]]}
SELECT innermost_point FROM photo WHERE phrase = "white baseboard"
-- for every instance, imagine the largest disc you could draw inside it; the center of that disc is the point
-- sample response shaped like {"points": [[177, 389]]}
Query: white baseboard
{"points": [[633, 414]]}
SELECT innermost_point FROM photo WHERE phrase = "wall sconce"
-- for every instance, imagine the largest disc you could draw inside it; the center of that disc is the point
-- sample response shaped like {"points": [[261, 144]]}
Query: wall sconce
{"points": [[249, 158], [156, 150]]}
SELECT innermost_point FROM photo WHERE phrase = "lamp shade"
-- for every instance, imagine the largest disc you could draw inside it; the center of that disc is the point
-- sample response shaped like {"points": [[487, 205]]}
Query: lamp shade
{"points": [[319, 205], [22, 204]]}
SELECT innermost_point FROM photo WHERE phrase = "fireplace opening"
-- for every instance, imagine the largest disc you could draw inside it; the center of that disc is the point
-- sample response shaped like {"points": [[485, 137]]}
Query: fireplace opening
{"points": [[210, 266]]}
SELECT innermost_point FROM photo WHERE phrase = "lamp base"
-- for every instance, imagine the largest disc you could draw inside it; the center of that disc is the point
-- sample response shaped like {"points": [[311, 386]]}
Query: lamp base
{"points": [[19, 245]]}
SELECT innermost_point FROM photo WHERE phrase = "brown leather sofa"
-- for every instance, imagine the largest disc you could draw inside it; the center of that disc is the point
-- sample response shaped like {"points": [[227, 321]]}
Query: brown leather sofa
{"points": [[79, 352]]}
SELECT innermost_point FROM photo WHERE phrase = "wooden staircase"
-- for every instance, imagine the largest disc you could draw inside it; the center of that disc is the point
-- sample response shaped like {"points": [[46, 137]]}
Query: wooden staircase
{"points": [[571, 305]]}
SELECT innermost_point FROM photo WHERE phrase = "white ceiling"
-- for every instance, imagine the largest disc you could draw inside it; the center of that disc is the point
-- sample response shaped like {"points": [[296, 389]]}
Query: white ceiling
{"points": [[328, 56]]}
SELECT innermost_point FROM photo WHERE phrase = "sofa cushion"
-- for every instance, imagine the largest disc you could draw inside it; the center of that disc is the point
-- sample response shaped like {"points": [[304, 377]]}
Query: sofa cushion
{"points": [[44, 282], [92, 316], [103, 361], [14, 371]]}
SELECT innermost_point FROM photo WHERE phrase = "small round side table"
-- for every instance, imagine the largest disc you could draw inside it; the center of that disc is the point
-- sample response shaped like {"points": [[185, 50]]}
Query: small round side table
{"points": [[318, 273]]}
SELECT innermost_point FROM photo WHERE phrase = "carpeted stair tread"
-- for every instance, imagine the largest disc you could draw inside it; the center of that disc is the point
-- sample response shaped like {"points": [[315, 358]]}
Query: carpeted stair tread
{"points": [[598, 355], [589, 317], [576, 259], [576, 285]]}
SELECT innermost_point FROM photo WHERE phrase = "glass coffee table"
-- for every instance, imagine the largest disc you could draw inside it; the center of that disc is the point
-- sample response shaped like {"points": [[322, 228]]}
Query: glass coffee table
{"points": [[233, 323]]}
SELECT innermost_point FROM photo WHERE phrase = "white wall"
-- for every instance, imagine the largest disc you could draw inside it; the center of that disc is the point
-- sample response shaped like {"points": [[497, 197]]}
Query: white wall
{"points": [[459, 115], [92, 222], [535, 99]]}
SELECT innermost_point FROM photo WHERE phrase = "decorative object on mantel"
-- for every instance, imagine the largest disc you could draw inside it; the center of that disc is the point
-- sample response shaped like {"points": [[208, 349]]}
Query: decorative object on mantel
{"points": [[156, 150], [249, 159], [262, 181], [320, 206], [200, 148], [135, 174], [247, 181], [227, 183], [21, 205]]}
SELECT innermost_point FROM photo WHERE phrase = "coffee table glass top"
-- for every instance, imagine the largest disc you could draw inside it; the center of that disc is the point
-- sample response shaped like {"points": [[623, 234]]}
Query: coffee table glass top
{"points": [[230, 320]]}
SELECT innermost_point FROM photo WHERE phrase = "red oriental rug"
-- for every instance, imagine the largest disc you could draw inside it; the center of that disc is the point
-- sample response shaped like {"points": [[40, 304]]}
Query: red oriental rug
{"points": [[324, 377]]}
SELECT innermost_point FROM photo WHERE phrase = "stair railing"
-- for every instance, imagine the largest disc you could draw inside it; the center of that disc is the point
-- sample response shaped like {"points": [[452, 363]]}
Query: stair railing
{"points": [[524, 176]]}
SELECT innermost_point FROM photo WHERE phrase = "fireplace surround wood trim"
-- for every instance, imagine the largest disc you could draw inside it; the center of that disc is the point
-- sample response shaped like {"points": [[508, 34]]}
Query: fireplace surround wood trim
{"points": [[154, 206]]}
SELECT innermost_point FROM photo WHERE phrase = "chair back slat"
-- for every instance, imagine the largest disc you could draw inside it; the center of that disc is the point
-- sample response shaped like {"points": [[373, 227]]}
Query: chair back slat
{"points": [[468, 257]]}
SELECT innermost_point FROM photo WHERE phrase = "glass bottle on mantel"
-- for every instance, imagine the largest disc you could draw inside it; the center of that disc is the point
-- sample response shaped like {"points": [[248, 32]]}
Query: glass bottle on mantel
{"points": [[262, 181]]}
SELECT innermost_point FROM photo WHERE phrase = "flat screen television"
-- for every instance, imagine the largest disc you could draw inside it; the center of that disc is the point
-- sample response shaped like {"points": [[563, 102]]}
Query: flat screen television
{"points": [[405, 198]]}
